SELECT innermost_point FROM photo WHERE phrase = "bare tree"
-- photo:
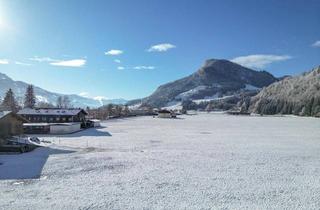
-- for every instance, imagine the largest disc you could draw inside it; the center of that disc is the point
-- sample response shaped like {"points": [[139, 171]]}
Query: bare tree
{"points": [[45, 105], [59, 103], [66, 102]]}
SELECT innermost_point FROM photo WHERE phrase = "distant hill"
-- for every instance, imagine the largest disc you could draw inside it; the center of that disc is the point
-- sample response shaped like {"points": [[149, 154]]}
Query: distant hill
{"points": [[42, 95], [298, 95], [215, 80]]}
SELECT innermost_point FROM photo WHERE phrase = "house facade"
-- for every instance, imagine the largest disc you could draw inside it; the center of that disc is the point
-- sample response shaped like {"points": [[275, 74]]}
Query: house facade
{"points": [[10, 125], [166, 114]]}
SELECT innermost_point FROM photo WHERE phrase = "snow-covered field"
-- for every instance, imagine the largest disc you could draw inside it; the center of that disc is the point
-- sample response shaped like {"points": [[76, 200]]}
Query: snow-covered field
{"points": [[205, 161]]}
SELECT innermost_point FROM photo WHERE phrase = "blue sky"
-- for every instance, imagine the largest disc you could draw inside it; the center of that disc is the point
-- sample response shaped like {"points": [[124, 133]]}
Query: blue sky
{"points": [[125, 49]]}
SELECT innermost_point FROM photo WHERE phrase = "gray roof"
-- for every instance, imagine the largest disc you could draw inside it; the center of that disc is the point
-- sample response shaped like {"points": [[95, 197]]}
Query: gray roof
{"points": [[66, 112], [4, 113]]}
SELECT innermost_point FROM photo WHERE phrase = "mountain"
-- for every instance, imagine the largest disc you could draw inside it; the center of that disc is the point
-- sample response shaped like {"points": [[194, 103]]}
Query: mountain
{"points": [[298, 95], [216, 79], [42, 95]]}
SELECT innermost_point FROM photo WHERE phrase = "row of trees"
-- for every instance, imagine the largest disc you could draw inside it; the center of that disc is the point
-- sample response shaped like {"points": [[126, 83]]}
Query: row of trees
{"points": [[208, 106], [9, 103], [310, 107], [109, 111]]}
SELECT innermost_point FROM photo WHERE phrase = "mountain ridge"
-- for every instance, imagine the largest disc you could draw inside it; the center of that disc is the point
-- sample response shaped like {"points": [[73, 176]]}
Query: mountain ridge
{"points": [[299, 95], [216, 77], [42, 95]]}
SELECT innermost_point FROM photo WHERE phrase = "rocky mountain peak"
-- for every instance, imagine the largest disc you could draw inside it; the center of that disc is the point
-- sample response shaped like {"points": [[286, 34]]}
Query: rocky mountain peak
{"points": [[216, 63], [209, 62], [216, 77]]}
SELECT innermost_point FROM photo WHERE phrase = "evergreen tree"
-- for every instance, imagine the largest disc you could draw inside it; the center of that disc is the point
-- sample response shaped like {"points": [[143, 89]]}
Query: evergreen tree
{"points": [[29, 99], [9, 103]]}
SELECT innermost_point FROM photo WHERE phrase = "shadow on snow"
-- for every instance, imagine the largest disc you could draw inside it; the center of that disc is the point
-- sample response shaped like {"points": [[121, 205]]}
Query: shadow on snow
{"points": [[27, 165], [88, 132]]}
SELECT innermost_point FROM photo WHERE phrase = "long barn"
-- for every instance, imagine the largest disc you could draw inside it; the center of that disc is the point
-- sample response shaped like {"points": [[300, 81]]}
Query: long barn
{"points": [[53, 120]]}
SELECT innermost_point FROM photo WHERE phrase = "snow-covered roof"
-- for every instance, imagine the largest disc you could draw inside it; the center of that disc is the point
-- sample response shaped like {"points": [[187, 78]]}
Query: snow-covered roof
{"points": [[4, 113], [94, 120], [67, 112], [36, 124], [49, 124]]}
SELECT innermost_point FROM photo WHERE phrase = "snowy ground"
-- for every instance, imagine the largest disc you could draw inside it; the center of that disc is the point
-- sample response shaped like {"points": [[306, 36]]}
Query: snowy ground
{"points": [[199, 162]]}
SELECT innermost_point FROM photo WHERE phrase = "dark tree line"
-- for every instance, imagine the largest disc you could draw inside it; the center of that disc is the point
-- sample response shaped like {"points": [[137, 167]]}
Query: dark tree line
{"points": [[109, 111], [223, 104]]}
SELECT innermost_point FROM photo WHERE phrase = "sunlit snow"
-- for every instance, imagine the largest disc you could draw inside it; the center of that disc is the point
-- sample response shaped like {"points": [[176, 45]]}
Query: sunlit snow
{"points": [[193, 162]]}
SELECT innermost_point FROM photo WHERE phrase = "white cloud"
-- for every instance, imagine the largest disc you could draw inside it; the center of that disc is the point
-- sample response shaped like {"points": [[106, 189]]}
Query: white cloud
{"points": [[4, 61], [22, 64], [43, 59], [56, 62], [114, 52], [84, 94], [100, 99], [70, 63], [120, 68], [117, 60], [316, 44], [161, 47], [144, 67], [259, 61], [97, 98]]}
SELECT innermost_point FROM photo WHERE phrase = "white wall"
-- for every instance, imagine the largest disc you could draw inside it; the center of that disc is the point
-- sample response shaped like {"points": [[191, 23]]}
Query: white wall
{"points": [[96, 124], [164, 115], [64, 129]]}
